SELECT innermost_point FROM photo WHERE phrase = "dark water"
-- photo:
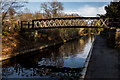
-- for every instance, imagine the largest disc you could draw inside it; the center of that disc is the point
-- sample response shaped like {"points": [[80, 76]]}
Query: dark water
{"points": [[65, 60]]}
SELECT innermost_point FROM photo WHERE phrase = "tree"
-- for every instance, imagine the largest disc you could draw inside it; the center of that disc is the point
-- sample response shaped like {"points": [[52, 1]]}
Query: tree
{"points": [[46, 11], [8, 9], [51, 9], [113, 10], [55, 8], [8, 6]]}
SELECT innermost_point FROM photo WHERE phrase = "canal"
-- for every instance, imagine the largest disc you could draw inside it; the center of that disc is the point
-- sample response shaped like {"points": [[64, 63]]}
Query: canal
{"points": [[61, 61]]}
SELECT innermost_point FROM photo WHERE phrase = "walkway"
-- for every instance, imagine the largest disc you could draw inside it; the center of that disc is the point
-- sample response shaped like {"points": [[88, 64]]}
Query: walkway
{"points": [[104, 62]]}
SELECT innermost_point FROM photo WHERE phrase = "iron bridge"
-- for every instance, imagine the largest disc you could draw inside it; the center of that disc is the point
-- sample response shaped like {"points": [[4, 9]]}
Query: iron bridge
{"points": [[70, 22]]}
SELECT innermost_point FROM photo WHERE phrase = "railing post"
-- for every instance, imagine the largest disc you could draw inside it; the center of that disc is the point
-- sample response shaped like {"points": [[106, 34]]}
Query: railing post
{"points": [[28, 25], [18, 25], [32, 24], [21, 26]]}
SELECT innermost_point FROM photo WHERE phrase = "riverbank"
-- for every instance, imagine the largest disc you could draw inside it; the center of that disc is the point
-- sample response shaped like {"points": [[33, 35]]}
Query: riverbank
{"points": [[61, 61], [16, 41], [104, 61]]}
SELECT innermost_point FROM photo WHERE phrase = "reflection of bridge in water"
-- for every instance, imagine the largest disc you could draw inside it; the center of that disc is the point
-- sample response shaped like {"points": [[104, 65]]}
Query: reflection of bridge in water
{"points": [[70, 22]]}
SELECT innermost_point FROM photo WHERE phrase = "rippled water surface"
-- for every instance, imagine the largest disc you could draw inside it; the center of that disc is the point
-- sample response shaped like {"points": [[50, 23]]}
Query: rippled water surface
{"points": [[65, 60]]}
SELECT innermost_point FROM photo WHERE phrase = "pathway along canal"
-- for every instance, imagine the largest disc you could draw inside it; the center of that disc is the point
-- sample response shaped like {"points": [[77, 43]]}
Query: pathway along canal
{"points": [[63, 61]]}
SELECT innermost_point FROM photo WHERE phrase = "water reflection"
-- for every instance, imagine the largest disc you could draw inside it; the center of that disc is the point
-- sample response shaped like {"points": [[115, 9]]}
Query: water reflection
{"points": [[60, 61]]}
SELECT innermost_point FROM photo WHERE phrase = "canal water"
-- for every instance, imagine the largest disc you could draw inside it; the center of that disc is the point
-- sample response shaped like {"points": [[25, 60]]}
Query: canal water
{"points": [[62, 61]]}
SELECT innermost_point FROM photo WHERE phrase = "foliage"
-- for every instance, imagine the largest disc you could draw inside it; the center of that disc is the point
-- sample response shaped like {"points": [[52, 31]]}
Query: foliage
{"points": [[37, 15], [113, 10]]}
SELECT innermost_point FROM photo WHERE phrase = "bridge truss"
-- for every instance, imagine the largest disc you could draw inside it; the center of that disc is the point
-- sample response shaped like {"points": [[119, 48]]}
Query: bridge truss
{"points": [[71, 22]]}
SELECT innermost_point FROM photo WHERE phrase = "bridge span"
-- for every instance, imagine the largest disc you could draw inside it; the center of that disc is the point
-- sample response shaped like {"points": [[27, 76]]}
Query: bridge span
{"points": [[70, 22]]}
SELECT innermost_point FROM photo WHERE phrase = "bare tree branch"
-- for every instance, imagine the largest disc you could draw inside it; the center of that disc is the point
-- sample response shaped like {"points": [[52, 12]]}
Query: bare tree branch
{"points": [[51, 9], [6, 5]]}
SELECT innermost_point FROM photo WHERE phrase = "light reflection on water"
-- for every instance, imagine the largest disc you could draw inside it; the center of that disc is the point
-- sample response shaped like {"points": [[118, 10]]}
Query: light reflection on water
{"points": [[64, 60]]}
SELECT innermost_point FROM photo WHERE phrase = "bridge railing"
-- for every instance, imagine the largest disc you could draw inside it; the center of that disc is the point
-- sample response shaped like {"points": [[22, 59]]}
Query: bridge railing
{"points": [[114, 22], [26, 25], [70, 22]]}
